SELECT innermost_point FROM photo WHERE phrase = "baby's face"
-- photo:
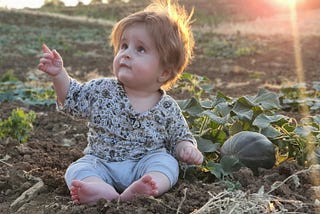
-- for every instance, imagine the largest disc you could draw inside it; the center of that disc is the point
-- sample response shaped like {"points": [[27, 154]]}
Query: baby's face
{"points": [[137, 63]]}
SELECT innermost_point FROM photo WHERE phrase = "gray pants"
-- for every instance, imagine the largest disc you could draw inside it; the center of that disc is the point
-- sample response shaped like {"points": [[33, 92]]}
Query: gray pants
{"points": [[122, 174]]}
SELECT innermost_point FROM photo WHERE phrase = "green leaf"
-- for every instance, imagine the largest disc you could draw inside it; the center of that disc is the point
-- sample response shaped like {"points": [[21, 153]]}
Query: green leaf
{"points": [[207, 87], [186, 75], [18, 125], [207, 104], [191, 106], [216, 169], [263, 121], [316, 119], [243, 111], [222, 98], [304, 130], [213, 117], [230, 164], [270, 132], [289, 127], [267, 100], [28, 94], [8, 76], [223, 108], [316, 86], [235, 128], [205, 145], [246, 101]]}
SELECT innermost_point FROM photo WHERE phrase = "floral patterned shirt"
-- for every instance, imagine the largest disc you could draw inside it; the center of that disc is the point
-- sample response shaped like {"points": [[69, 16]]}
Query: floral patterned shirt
{"points": [[116, 131]]}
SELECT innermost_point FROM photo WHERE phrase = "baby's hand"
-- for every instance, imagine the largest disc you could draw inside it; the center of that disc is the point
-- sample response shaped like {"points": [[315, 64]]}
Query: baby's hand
{"points": [[188, 153], [50, 62]]}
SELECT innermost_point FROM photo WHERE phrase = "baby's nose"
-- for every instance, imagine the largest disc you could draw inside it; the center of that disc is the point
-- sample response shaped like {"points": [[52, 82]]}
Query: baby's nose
{"points": [[126, 56], [127, 53]]}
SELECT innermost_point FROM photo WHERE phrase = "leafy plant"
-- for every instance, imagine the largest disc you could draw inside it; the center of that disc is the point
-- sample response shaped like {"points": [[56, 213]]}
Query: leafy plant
{"points": [[299, 140], [197, 86], [214, 119], [8, 76], [18, 125], [231, 46], [32, 37], [18, 91], [300, 96]]}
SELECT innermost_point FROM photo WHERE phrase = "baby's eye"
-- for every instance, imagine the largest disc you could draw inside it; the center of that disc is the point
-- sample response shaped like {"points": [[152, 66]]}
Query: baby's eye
{"points": [[123, 46], [141, 49]]}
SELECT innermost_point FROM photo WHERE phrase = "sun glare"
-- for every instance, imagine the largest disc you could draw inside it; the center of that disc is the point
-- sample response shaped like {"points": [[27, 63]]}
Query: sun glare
{"points": [[310, 146], [18, 4], [287, 3]]}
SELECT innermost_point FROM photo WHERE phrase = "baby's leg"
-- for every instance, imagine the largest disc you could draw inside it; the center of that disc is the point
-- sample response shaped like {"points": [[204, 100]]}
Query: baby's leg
{"points": [[90, 190], [151, 184]]}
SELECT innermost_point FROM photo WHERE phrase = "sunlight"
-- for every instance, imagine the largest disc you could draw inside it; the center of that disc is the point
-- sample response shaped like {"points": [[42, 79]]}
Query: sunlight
{"points": [[301, 79], [297, 46], [287, 2], [34, 4], [18, 4], [73, 3]]}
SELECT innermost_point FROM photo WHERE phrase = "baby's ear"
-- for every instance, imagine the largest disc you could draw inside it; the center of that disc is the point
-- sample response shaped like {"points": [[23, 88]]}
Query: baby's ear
{"points": [[165, 76]]}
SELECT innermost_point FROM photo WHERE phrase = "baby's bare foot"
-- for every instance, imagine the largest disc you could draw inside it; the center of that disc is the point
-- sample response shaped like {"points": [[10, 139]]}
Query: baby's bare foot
{"points": [[90, 192], [145, 186]]}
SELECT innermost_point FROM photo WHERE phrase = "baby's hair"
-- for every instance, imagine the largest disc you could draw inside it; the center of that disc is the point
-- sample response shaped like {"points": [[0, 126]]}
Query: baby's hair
{"points": [[169, 25]]}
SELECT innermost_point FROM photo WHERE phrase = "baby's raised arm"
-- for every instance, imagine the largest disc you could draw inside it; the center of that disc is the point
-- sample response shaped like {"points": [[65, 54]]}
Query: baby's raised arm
{"points": [[52, 64]]}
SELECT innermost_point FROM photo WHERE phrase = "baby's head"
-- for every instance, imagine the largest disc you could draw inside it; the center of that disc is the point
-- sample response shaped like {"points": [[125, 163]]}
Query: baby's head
{"points": [[169, 26]]}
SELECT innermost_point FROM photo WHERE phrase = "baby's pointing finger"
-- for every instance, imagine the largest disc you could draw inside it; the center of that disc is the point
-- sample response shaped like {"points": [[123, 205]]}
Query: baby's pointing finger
{"points": [[56, 54], [45, 49]]}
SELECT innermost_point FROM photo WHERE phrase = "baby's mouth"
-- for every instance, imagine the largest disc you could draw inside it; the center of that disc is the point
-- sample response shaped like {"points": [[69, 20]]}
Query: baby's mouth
{"points": [[124, 65]]}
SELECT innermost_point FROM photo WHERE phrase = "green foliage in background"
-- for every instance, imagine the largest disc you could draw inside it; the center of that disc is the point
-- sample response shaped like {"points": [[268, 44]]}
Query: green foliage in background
{"points": [[18, 40], [11, 89], [32, 37], [18, 125], [228, 46], [214, 118], [301, 96], [8, 76]]}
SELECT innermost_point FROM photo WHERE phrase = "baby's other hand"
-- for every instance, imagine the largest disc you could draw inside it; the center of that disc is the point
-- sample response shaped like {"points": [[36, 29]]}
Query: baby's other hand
{"points": [[50, 62], [188, 153]]}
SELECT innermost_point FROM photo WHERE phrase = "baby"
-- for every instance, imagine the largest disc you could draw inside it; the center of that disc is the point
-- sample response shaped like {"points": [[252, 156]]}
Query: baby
{"points": [[137, 133]]}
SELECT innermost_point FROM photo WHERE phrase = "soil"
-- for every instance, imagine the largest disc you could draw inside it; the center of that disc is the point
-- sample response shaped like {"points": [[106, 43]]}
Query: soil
{"points": [[57, 140]]}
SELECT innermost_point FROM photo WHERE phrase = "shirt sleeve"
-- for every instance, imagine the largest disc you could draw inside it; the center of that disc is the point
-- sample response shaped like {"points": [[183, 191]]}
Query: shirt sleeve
{"points": [[79, 99], [178, 129]]}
